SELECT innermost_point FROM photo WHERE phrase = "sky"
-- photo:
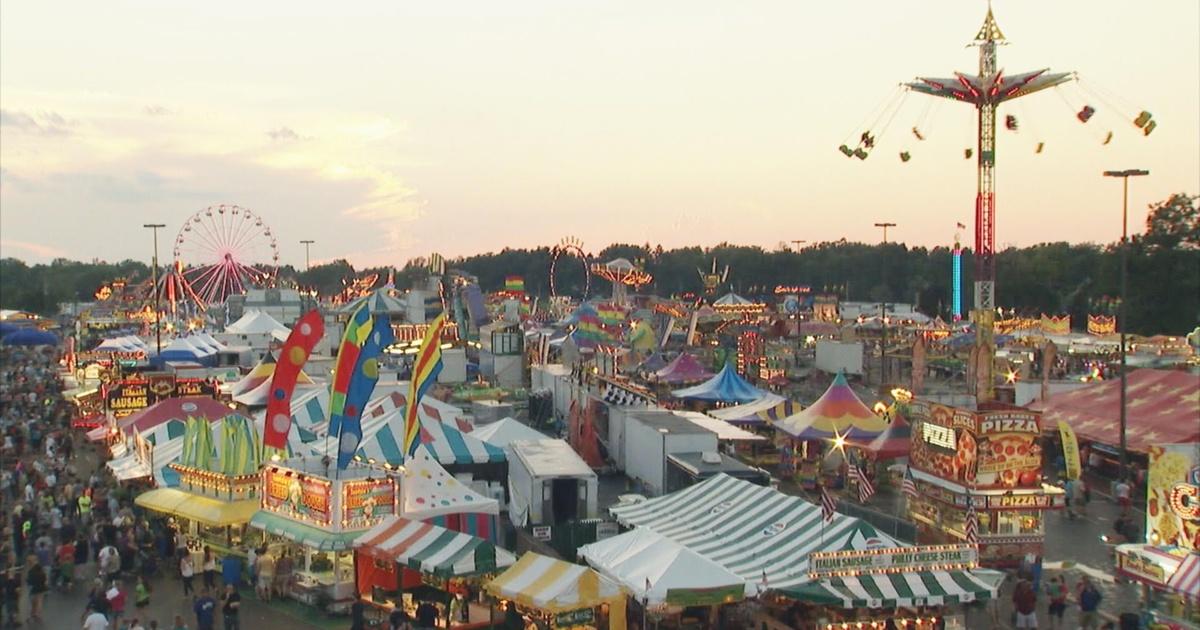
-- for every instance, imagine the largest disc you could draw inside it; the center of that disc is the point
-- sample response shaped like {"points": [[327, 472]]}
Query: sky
{"points": [[389, 130]]}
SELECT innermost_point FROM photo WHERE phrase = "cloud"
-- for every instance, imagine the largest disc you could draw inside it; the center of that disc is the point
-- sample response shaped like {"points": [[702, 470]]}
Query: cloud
{"points": [[155, 110], [37, 249], [283, 134], [44, 123]]}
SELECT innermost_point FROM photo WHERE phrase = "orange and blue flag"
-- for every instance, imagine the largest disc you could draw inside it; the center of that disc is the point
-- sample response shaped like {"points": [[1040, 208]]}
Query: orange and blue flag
{"points": [[426, 368]]}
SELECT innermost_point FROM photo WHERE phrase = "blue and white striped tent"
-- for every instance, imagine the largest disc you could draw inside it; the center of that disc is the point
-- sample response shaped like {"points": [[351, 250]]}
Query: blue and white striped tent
{"points": [[308, 420], [443, 432]]}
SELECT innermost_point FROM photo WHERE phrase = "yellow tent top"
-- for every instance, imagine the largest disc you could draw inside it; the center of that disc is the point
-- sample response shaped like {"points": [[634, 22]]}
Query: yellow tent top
{"points": [[555, 586], [211, 512]]}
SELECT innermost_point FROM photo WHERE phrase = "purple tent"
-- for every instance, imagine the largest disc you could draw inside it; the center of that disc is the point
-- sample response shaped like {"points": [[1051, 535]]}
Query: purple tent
{"points": [[683, 369]]}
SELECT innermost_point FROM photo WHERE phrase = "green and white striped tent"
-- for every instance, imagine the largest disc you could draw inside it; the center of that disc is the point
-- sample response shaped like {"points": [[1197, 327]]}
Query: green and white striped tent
{"points": [[431, 549], [766, 537]]}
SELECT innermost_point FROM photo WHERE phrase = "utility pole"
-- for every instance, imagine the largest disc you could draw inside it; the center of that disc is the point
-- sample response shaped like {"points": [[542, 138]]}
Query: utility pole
{"points": [[306, 243], [154, 281], [798, 244], [986, 91], [883, 307], [1124, 175]]}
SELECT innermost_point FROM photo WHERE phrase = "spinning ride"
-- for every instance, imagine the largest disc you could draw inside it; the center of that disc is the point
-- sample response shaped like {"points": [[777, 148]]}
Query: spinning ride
{"points": [[622, 274], [221, 251]]}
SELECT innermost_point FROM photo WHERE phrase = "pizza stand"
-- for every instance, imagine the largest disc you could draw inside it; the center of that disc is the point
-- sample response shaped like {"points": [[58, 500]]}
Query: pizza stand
{"points": [[559, 594], [315, 514], [1167, 564], [984, 462], [401, 562]]}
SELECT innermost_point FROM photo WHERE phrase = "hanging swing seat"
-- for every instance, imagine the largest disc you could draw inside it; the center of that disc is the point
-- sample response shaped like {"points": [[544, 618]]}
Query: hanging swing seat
{"points": [[1142, 119], [860, 153], [867, 140], [1108, 138], [917, 132], [905, 156], [1149, 127], [1040, 146], [967, 153], [847, 151], [1010, 122], [1086, 113]]}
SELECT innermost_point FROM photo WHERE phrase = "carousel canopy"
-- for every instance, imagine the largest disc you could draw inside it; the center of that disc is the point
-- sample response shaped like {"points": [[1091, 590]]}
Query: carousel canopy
{"points": [[431, 549], [1163, 406], [554, 586], [726, 386], [378, 301], [838, 411], [682, 369], [732, 299]]}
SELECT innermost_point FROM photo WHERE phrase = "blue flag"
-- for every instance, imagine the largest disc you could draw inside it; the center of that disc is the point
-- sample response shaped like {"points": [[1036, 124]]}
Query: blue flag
{"points": [[358, 392]]}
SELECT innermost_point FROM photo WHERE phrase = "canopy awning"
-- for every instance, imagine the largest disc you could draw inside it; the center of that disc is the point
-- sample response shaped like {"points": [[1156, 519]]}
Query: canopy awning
{"points": [[766, 410], [656, 569], [306, 535], [726, 386], [553, 586], [129, 467], [923, 588], [724, 430], [211, 512], [431, 549], [837, 412]]}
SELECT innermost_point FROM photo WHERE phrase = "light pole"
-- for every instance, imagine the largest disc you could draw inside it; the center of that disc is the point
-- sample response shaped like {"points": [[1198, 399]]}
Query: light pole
{"points": [[154, 281], [306, 243], [663, 488], [883, 308], [1124, 175], [798, 244]]}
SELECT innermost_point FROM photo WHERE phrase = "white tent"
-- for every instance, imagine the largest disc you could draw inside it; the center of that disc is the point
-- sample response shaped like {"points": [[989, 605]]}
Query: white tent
{"points": [[748, 409], [427, 491], [507, 430], [725, 431], [258, 323], [641, 559]]}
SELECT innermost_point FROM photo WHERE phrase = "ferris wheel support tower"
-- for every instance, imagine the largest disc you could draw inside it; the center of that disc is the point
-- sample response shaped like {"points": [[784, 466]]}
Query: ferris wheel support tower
{"points": [[986, 91]]}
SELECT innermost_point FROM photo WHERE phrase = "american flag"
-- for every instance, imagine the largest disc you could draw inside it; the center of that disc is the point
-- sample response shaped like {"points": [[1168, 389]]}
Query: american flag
{"points": [[865, 489], [971, 528], [828, 505], [909, 487]]}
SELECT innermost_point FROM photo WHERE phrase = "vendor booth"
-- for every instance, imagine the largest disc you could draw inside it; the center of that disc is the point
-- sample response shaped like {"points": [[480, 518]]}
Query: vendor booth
{"points": [[314, 514], [218, 488], [985, 465], [401, 563], [560, 594]]}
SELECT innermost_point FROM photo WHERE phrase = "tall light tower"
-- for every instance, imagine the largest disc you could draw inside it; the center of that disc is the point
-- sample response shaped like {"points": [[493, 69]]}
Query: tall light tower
{"points": [[883, 318], [986, 91], [306, 242]]}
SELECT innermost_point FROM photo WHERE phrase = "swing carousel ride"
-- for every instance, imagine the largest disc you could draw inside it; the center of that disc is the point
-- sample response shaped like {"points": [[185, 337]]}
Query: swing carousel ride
{"points": [[986, 91]]}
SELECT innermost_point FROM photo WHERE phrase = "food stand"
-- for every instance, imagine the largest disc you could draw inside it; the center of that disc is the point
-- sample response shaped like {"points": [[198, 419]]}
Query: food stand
{"points": [[560, 594], [401, 562], [1168, 567], [315, 514], [987, 462]]}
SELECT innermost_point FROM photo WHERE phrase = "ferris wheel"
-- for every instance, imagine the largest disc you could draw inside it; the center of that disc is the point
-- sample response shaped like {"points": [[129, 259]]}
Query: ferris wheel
{"points": [[221, 251]]}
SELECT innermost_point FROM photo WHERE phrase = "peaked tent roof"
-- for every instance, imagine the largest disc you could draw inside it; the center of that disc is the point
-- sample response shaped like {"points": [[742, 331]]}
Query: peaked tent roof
{"points": [[255, 323], [257, 397], [431, 549], [380, 300], [162, 411], [682, 369], [261, 371], [506, 430], [652, 566], [768, 409], [653, 363], [837, 410], [894, 442], [430, 491], [1163, 406], [732, 299], [552, 585], [726, 386]]}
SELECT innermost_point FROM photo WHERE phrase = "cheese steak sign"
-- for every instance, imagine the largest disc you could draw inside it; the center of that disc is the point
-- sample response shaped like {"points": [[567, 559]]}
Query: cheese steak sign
{"points": [[300, 497], [891, 560]]}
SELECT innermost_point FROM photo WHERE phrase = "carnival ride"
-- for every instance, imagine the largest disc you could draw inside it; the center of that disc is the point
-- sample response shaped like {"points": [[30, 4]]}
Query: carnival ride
{"points": [[569, 247], [220, 251], [986, 92], [713, 279], [623, 274]]}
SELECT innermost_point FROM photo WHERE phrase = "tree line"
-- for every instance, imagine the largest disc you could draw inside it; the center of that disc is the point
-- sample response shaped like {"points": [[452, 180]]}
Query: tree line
{"points": [[1054, 278]]}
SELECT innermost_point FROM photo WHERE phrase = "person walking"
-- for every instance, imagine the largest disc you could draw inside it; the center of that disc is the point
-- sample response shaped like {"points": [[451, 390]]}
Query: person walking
{"points": [[10, 584], [266, 576], [231, 602], [187, 572], [205, 608], [116, 602], [1089, 604], [1025, 603], [38, 583], [141, 595], [1056, 591], [94, 620], [1123, 492], [209, 565]]}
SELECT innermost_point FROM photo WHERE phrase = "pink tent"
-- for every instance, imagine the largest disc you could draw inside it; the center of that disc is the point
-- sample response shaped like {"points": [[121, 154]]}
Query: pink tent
{"points": [[683, 369]]}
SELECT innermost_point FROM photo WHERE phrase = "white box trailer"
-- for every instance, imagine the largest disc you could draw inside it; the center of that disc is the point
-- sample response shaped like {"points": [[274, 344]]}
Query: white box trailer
{"points": [[652, 435], [837, 356], [549, 483]]}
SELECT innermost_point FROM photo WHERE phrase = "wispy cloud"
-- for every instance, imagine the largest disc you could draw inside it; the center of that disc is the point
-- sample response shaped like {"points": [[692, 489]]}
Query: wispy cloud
{"points": [[283, 134], [42, 123], [155, 110], [37, 249]]}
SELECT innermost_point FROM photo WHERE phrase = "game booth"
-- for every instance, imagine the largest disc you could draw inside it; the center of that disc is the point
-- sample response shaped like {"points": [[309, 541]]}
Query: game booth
{"points": [[313, 512], [559, 594], [1167, 563], [985, 465]]}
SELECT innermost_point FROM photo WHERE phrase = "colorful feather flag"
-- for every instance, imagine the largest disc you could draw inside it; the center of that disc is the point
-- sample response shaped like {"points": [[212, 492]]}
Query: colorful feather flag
{"points": [[426, 368], [357, 331], [362, 383], [299, 345], [514, 284]]}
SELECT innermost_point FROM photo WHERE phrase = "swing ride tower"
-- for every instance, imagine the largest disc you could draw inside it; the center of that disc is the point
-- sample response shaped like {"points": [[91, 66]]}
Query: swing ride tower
{"points": [[986, 91]]}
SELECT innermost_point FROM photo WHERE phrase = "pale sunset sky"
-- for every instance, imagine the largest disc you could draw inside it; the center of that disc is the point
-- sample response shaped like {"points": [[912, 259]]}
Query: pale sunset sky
{"points": [[388, 130]]}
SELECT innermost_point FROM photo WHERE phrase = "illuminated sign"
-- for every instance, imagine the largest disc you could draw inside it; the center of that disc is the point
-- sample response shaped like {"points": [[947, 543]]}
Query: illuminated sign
{"points": [[892, 560], [1140, 567], [1008, 423], [126, 396], [1020, 502], [365, 502], [938, 435], [298, 496], [1173, 496], [1185, 501]]}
